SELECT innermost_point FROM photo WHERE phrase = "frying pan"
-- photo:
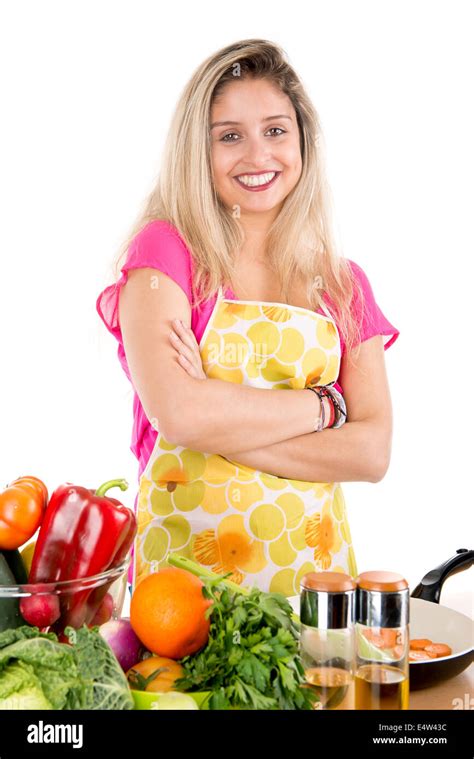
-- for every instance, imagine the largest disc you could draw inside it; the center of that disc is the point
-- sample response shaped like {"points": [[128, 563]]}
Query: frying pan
{"points": [[440, 624]]}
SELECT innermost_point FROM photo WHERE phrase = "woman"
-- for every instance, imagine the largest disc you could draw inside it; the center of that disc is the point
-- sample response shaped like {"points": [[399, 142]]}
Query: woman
{"points": [[233, 285]]}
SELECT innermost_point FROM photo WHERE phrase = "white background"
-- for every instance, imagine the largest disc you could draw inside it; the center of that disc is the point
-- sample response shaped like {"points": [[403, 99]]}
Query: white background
{"points": [[87, 93]]}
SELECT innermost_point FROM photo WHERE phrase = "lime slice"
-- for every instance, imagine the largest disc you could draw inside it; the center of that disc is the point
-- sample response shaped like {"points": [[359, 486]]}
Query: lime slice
{"points": [[323, 645], [173, 701]]}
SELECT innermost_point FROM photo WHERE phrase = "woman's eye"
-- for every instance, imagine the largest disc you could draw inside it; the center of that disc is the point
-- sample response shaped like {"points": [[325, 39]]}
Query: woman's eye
{"points": [[279, 129], [230, 134]]}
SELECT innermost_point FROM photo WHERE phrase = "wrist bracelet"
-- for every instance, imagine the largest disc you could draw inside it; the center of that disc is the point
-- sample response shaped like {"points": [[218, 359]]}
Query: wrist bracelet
{"points": [[332, 416], [338, 405], [320, 426]]}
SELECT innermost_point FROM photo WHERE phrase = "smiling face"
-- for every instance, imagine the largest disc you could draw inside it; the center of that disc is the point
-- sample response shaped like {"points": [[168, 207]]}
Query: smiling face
{"points": [[255, 147]]}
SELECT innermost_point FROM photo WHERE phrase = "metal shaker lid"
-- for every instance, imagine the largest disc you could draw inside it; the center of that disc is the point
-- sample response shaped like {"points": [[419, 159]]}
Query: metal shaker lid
{"points": [[327, 600], [382, 599]]}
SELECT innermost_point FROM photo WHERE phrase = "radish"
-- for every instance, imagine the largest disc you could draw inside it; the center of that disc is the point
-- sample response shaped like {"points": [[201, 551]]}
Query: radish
{"points": [[104, 612], [40, 609], [122, 640]]}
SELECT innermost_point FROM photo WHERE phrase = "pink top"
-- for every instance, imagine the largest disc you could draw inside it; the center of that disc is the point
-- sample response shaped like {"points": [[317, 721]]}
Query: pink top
{"points": [[160, 246]]}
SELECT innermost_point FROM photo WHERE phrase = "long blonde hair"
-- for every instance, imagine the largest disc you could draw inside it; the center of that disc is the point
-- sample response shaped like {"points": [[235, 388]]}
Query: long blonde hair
{"points": [[301, 241]]}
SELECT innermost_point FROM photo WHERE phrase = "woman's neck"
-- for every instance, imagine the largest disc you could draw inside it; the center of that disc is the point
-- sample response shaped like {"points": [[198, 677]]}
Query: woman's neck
{"points": [[255, 230]]}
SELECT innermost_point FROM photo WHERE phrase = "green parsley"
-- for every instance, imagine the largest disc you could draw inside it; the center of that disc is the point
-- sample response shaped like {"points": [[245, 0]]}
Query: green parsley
{"points": [[251, 660]]}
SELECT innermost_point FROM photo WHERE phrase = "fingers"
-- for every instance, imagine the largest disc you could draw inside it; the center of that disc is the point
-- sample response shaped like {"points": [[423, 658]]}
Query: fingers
{"points": [[188, 366], [183, 340], [185, 334], [181, 346]]}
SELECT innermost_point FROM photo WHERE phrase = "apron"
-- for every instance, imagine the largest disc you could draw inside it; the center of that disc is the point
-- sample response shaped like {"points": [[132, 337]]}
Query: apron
{"points": [[264, 529]]}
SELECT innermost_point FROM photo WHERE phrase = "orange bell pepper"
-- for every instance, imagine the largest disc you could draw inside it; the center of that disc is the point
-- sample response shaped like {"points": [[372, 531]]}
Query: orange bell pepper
{"points": [[22, 507]]}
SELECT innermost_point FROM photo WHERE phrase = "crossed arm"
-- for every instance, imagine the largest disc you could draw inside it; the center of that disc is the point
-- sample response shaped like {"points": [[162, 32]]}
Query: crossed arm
{"points": [[253, 427], [357, 451]]}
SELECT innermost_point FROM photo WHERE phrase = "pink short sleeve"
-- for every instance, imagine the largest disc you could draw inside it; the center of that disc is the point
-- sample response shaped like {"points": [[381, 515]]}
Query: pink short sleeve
{"points": [[157, 246], [373, 322]]}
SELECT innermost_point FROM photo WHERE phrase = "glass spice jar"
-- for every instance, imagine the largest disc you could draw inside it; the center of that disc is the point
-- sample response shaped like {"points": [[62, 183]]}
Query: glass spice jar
{"points": [[382, 641], [327, 607]]}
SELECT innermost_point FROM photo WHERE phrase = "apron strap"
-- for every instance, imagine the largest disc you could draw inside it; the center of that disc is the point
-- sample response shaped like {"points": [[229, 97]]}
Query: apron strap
{"points": [[326, 310]]}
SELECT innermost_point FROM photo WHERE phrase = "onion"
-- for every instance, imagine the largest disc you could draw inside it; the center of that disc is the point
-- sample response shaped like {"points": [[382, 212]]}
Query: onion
{"points": [[122, 640]]}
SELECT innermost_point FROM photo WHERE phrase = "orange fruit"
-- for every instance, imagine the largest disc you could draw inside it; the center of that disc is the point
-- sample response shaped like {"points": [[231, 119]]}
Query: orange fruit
{"points": [[167, 612]]}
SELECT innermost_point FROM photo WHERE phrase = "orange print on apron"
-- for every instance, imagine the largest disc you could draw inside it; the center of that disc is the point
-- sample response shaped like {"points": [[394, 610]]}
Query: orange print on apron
{"points": [[265, 530]]}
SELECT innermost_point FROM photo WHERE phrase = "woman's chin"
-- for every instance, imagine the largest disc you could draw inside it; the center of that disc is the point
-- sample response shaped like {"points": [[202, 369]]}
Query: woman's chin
{"points": [[257, 205]]}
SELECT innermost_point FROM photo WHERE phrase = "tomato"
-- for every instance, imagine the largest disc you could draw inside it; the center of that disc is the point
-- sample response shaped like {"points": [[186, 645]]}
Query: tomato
{"points": [[35, 483], [156, 674], [22, 507]]}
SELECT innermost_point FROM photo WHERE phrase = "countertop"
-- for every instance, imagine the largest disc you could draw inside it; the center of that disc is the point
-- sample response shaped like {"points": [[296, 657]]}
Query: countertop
{"points": [[457, 692]]}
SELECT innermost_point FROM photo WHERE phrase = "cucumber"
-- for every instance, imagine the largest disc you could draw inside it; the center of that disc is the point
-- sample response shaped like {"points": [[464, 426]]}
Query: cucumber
{"points": [[9, 607]]}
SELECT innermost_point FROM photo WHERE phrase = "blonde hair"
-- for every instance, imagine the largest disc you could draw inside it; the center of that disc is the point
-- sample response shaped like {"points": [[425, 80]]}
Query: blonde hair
{"points": [[301, 241]]}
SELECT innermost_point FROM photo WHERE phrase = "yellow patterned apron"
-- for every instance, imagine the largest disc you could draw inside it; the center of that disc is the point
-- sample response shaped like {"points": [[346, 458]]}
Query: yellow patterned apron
{"points": [[266, 530]]}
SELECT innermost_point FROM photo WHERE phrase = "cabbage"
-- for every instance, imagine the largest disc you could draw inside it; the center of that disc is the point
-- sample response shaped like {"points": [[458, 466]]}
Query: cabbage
{"points": [[38, 672], [21, 689], [106, 686]]}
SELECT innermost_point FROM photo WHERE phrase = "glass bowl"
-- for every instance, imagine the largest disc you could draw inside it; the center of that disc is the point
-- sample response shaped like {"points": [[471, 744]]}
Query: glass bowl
{"points": [[53, 606]]}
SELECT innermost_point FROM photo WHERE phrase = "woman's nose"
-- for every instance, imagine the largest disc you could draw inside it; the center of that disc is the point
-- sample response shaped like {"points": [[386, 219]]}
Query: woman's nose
{"points": [[256, 154]]}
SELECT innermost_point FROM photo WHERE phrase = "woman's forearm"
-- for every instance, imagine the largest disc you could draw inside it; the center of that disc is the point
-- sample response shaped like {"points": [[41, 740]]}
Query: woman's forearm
{"points": [[347, 454], [217, 416]]}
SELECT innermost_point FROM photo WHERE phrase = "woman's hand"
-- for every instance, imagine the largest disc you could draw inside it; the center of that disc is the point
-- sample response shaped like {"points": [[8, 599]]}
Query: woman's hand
{"points": [[183, 340]]}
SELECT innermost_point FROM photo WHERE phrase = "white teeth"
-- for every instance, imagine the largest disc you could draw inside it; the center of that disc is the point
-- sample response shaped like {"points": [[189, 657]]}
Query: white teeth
{"points": [[252, 180]]}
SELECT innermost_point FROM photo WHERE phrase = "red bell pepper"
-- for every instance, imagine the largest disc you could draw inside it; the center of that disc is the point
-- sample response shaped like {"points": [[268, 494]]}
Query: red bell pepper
{"points": [[83, 533]]}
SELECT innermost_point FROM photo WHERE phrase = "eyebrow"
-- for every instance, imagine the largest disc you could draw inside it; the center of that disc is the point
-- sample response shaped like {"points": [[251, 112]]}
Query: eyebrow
{"points": [[237, 123]]}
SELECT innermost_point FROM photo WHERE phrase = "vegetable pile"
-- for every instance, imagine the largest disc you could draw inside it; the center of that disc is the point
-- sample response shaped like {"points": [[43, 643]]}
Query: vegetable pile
{"points": [[201, 631], [38, 672], [83, 532]]}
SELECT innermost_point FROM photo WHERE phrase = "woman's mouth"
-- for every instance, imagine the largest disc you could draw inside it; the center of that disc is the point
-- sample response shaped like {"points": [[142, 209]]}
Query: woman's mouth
{"points": [[257, 182]]}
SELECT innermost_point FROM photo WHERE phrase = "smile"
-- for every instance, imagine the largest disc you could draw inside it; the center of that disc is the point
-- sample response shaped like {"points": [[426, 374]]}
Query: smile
{"points": [[257, 182]]}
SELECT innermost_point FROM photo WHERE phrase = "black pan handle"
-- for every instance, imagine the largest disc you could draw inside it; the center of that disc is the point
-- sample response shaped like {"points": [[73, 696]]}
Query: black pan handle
{"points": [[429, 589]]}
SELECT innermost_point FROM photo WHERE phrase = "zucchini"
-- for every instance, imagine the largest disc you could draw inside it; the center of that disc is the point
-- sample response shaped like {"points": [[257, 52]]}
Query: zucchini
{"points": [[17, 567], [9, 607]]}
